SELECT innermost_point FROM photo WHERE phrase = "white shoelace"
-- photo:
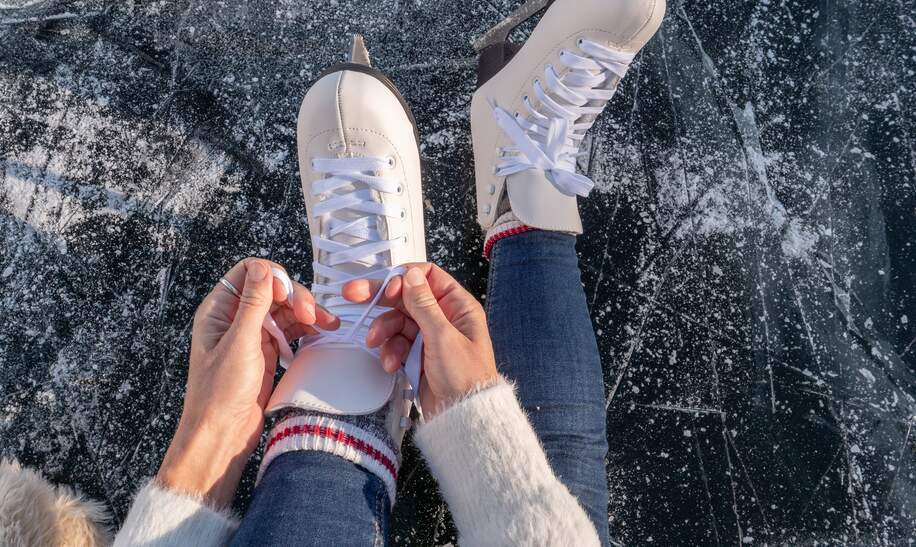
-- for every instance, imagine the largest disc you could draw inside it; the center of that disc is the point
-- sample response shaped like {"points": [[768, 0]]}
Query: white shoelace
{"points": [[348, 208], [549, 139]]}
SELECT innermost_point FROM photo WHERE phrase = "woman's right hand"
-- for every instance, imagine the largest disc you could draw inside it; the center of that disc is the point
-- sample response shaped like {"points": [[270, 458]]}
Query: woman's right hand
{"points": [[457, 351]]}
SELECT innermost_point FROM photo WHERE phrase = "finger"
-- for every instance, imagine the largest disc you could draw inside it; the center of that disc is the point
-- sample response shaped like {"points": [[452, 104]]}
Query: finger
{"points": [[421, 303], [363, 290], [394, 352], [257, 296], [293, 327], [464, 311], [281, 282], [393, 291], [360, 291], [440, 282], [303, 305], [389, 324], [326, 319], [297, 331], [286, 317]]}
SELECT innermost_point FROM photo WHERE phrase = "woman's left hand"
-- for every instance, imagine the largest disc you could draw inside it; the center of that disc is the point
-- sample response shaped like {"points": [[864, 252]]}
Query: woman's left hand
{"points": [[230, 378]]}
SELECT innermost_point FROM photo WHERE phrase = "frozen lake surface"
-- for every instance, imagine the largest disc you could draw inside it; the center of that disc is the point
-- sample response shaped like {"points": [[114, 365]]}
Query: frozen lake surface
{"points": [[749, 255]]}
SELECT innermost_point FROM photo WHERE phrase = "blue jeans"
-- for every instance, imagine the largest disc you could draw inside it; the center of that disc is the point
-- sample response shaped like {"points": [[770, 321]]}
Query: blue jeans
{"points": [[544, 342], [315, 498]]}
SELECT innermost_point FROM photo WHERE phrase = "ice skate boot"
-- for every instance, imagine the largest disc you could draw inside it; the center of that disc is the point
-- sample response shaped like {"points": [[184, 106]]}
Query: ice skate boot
{"points": [[359, 164], [536, 101]]}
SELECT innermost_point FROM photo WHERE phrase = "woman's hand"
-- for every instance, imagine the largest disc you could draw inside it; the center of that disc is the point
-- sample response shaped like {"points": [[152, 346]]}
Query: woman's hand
{"points": [[457, 352], [230, 378]]}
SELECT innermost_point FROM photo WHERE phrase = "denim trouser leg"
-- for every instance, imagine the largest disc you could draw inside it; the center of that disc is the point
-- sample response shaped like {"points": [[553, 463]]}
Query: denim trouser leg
{"points": [[545, 342], [314, 498]]}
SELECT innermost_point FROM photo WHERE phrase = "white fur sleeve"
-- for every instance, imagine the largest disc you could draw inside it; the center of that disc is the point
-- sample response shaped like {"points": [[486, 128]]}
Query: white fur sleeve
{"points": [[494, 475], [162, 518]]}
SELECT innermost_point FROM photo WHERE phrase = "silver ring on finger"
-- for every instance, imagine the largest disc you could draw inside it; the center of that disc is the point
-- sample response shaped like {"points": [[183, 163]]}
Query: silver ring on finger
{"points": [[230, 287]]}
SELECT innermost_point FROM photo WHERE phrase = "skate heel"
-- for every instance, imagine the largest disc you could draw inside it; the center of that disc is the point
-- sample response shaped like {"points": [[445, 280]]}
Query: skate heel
{"points": [[500, 32], [494, 48]]}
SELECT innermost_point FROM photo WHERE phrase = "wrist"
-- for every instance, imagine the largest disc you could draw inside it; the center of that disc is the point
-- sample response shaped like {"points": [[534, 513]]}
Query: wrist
{"points": [[203, 463], [460, 392]]}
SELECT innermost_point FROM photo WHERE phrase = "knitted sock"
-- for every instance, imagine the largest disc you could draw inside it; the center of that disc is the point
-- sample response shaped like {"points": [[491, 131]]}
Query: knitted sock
{"points": [[363, 440], [506, 225]]}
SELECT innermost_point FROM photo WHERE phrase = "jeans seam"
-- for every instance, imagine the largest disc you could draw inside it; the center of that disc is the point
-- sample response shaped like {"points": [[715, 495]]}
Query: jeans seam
{"points": [[379, 507], [491, 282]]}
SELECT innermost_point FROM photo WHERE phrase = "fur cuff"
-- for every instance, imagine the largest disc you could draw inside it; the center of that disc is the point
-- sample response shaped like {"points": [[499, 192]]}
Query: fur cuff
{"points": [[163, 518], [35, 512]]}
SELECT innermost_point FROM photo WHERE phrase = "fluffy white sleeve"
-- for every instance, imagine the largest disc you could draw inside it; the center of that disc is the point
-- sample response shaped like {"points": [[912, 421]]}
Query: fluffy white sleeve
{"points": [[495, 477], [162, 518]]}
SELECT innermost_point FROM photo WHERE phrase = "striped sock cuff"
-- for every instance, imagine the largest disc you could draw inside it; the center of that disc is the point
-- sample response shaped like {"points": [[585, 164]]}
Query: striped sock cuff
{"points": [[505, 226], [325, 434]]}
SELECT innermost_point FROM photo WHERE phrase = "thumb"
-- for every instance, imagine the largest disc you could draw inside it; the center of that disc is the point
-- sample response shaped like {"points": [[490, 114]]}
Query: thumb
{"points": [[421, 304], [256, 299]]}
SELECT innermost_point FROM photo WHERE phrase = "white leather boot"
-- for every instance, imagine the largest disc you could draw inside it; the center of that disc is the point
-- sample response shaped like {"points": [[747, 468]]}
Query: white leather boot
{"points": [[359, 163], [535, 103]]}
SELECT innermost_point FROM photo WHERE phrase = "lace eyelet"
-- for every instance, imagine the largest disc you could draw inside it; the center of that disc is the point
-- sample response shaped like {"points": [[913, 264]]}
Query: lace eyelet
{"points": [[391, 162], [403, 213], [405, 239], [400, 190], [488, 209], [312, 164], [579, 42], [492, 189]]}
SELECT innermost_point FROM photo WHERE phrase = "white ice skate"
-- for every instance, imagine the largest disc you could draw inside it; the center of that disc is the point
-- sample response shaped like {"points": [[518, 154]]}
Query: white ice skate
{"points": [[360, 167], [535, 102]]}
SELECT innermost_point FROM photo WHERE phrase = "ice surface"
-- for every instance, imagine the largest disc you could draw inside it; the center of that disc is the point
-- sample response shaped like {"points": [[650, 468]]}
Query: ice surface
{"points": [[749, 256]]}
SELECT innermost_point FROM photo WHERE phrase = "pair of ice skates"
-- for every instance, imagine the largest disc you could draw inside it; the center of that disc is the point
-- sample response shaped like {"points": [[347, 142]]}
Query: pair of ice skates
{"points": [[359, 161]]}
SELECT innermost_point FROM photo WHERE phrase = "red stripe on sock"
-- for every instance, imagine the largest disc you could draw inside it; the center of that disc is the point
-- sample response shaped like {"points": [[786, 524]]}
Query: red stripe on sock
{"points": [[488, 246], [337, 435]]}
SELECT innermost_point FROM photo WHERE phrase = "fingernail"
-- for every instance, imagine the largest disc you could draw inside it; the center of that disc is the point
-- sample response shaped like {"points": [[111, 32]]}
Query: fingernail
{"points": [[310, 310], [414, 277], [285, 280], [256, 271], [327, 311]]}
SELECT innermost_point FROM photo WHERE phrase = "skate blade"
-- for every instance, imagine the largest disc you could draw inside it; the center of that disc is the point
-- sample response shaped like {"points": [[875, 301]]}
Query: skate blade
{"points": [[500, 32], [358, 52]]}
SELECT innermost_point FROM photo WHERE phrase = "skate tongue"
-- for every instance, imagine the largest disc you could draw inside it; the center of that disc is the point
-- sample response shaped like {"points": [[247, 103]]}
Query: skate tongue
{"points": [[538, 204], [334, 380]]}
